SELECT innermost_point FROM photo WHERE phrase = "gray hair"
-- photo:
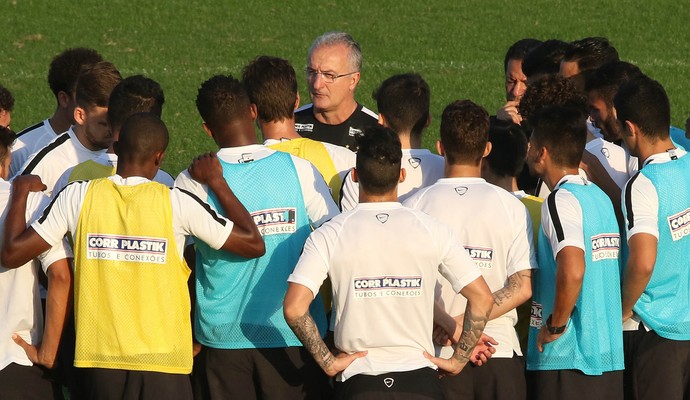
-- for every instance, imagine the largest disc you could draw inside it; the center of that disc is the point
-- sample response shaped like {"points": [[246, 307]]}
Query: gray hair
{"points": [[336, 38]]}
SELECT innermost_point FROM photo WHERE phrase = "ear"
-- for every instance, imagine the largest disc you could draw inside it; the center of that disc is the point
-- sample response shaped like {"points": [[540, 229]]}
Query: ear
{"points": [[630, 129], [354, 81], [207, 130], [439, 147], [428, 121], [487, 150], [403, 175], [159, 159], [79, 115], [382, 120], [253, 111], [297, 101], [63, 99], [355, 177]]}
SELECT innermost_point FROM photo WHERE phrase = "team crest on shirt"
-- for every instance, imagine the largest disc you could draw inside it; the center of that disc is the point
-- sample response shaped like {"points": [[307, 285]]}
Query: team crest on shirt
{"points": [[461, 190], [679, 224], [275, 221], [304, 127], [387, 286], [354, 132], [414, 162], [605, 246], [535, 320], [382, 218], [482, 256], [605, 152], [126, 248]]}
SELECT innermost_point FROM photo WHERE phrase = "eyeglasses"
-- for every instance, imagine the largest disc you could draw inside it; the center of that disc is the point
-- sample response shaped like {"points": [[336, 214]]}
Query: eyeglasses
{"points": [[328, 77]]}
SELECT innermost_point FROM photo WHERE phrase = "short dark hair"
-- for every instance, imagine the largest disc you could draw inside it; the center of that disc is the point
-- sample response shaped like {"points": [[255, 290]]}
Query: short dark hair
{"points": [[6, 99], [545, 58], [563, 131], [95, 83], [609, 77], [591, 53], [142, 135], [404, 101], [378, 159], [644, 102], [551, 90], [134, 94], [508, 148], [66, 66], [221, 100], [464, 132], [519, 50], [7, 138], [272, 85]]}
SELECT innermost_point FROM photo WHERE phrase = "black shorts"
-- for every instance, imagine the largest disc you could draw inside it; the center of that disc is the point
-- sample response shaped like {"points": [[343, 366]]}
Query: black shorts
{"points": [[21, 382], [107, 384], [498, 379], [568, 384], [418, 384], [659, 368], [279, 373]]}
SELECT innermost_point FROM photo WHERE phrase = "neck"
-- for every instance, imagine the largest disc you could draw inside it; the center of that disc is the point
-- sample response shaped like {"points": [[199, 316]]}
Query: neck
{"points": [[236, 134], [590, 136], [508, 183], [338, 116], [80, 133], [407, 141], [648, 149], [128, 170], [60, 121], [283, 129], [553, 175], [462, 170], [365, 197]]}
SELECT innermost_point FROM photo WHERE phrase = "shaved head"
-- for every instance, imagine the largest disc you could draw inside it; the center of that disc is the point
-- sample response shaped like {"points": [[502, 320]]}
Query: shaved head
{"points": [[142, 136]]}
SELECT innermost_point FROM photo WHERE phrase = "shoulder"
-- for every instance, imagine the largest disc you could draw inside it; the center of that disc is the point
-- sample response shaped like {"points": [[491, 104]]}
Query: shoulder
{"points": [[367, 112], [33, 128], [304, 110]]}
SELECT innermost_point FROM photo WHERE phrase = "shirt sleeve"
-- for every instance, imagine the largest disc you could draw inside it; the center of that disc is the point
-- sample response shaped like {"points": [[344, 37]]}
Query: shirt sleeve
{"points": [[36, 203], [456, 265], [349, 194], [194, 217], [521, 254], [185, 181], [640, 206], [313, 265], [561, 221], [61, 215], [317, 197]]}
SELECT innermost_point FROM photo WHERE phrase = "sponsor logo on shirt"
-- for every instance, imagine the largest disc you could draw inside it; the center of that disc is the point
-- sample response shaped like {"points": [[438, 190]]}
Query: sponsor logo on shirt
{"points": [[679, 224], [414, 162], [387, 286], [605, 246], [275, 221], [126, 248], [354, 132], [482, 256], [304, 127], [535, 315]]}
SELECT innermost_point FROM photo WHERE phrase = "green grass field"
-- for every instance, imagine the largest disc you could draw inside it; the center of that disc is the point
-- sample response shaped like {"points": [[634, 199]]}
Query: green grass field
{"points": [[458, 46]]}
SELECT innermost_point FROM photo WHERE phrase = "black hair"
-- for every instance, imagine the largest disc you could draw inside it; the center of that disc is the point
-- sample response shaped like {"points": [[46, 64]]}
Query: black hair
{"points": [[404, 101], [464, 132], [644, 102], [563, 131], [378, 160]]}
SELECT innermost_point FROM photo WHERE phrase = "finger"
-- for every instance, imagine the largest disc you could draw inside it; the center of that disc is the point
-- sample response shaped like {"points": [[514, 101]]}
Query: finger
{"points": [[30, 350], [539, 345]]}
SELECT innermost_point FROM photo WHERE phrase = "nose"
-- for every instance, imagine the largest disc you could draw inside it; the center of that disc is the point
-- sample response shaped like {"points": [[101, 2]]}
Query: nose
{"points": [[317, 81], [518, 89]]}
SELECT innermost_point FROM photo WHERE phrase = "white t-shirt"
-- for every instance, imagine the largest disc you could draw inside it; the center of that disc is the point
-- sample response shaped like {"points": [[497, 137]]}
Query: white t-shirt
{"points": [[317, 197], [21, 310], [422, 169], [29, 141], [54, 159], [190, 215], [568, 229], [612, 157], [110, 160], [496, 230], [383, 260]]}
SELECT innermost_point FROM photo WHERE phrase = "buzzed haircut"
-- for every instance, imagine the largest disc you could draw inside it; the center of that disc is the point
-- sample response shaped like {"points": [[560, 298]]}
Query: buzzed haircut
{"points": [[6, 99], [591, 53], [134, 94], [551, 90], [66, 66], [95, 83], [221, 100], [7, 137], [563, 131], [464, 132], [141, 137], [271, 84], [545, 58], [519, 50], [340, 38], [404, 101], [378, 159], [608, 78], [644, 102], [508, 148]]}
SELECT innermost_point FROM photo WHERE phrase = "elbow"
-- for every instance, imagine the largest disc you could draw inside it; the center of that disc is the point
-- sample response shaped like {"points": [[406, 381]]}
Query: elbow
{"points": [[10, 258], [60, 275], [525, 293]]}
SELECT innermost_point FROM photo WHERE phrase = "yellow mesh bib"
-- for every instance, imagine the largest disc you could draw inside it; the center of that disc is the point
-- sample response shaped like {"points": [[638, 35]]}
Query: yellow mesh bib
{"points": [[90, 170], [131, 300]]}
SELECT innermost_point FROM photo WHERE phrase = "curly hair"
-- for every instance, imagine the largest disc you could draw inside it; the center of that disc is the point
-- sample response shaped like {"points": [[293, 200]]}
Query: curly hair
{"points": [[551, 90], [6, 99], [464, 132]]}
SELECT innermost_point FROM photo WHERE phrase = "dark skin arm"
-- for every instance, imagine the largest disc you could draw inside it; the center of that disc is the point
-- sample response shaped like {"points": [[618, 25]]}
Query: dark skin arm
{"points": [[245, 239], [638, 271]]}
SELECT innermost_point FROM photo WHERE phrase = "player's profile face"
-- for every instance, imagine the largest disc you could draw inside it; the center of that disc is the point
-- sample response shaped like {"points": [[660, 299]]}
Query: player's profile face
{"points": [[5, 118], [516, 81], [97, 129], [331, 60]]}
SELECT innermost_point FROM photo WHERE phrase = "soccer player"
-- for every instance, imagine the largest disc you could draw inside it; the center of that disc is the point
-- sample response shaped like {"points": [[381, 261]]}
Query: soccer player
{"points": [[62, 77], [575, 339], [515, 79], [89, 138], [6, 107], [131, 300], [656, 204], [403, 104], [133, 95], [383, 260], [272, 86], [247, 346], [333, 71], [586, 55], [544, 60], [21, 373], [504, 256]]}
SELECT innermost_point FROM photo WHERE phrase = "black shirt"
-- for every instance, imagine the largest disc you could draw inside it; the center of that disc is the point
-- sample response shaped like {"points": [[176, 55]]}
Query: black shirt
{"points": [[342, 134]]}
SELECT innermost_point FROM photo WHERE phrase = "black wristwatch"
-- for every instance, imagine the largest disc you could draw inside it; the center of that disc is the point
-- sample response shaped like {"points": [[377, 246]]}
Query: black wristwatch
{"points": [[554, 330]]}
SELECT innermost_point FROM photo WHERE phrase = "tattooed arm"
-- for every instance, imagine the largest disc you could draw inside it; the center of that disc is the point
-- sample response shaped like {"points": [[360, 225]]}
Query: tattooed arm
{"points": [[517, 290], [296, 311]]}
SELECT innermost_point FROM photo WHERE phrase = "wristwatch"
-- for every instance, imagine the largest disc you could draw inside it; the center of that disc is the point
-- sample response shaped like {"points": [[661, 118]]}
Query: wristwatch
{"points": [[554, 330]]}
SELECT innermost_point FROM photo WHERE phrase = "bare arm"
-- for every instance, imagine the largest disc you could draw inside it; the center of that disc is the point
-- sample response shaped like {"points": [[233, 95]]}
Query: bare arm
{"points": [[296, 312], [597, 173], [517, 290], [638, 271], [245, 239]]}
